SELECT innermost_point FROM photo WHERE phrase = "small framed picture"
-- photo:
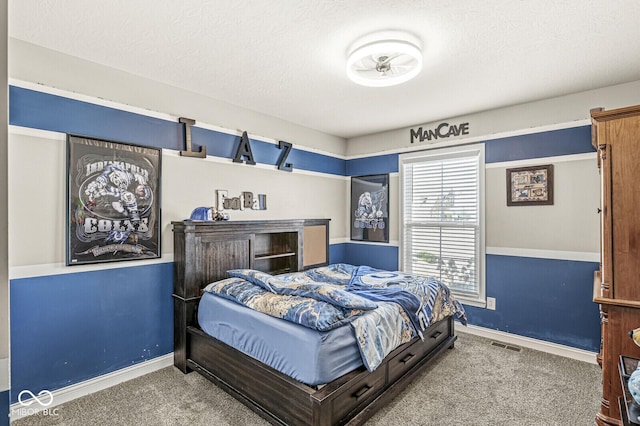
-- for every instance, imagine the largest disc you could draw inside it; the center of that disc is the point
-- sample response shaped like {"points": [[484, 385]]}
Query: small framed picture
{"points": [[370, 208], [528, 186], [113, 201]]}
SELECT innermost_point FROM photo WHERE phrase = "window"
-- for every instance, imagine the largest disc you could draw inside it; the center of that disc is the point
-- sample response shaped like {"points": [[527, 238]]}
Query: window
{"points": [[442, 210]]}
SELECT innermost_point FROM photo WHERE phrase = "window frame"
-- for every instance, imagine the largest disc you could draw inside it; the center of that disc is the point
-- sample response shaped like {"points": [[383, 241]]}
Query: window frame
{"points": [[450, 152]]}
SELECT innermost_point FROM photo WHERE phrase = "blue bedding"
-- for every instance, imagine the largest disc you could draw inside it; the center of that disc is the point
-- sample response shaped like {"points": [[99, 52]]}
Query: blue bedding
{"points": [[384, 309], [309, 356], [416, 294], [318, 315]]}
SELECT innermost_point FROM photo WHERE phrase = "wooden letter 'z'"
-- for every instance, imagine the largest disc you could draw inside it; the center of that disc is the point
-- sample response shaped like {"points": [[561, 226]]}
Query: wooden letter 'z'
{"points": [[282, 162], [244, 150], [187, 140]]}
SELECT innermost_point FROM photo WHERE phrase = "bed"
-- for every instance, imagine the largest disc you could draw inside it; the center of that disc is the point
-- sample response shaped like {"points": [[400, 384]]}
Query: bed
{"points": [[288, 373]]}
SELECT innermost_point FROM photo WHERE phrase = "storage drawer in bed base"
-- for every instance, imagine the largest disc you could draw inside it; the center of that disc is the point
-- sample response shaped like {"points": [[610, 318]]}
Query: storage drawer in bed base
{"points": [[415, 351], [350, 399]]}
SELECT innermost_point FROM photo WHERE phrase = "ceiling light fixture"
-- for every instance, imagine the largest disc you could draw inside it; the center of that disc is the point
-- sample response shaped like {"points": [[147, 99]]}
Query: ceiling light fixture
{"points": [[384, 62]]}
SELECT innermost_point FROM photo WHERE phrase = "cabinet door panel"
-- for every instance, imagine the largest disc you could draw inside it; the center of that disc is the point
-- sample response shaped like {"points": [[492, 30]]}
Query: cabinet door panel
{"points": [[215, 255], [624, 157]]}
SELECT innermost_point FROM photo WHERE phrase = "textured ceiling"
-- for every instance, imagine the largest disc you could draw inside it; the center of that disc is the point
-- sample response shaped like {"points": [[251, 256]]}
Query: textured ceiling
{"points": [[286, 58]]}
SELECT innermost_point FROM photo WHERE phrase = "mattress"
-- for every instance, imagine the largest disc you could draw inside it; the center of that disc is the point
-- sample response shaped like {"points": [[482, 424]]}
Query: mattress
{"points": [[309, 356]]}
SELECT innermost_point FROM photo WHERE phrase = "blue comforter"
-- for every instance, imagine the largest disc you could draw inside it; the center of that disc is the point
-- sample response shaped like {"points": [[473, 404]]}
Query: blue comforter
{"points": [[385, 309]]}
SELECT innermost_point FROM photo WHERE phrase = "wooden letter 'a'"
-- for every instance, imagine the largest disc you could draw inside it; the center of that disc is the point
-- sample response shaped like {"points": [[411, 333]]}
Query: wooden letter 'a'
{"points": [[187, 122], [244, 150]]}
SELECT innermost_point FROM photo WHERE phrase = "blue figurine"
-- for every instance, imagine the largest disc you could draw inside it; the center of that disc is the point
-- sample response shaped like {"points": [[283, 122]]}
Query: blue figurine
{"points": [[634, 385], [208, 214], [634, 380]]}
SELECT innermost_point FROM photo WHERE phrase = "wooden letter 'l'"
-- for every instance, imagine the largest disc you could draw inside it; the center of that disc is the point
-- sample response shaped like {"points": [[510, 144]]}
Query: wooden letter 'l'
{"points": [[187, 122]]}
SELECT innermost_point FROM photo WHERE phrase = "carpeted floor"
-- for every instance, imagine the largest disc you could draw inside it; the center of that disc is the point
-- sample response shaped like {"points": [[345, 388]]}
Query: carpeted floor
{"points": [[476, 383]]}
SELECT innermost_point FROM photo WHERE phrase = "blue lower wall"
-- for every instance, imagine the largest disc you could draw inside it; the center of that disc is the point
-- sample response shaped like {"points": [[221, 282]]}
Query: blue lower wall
{"points": [[378, 256], [544, 299], [338, 253], [4, 408], [69, 328], [73, 327]]}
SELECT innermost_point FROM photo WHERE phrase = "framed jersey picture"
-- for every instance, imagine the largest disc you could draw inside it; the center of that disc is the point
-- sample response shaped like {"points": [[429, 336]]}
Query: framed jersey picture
{"points": [[528, 186], [113, 201]]}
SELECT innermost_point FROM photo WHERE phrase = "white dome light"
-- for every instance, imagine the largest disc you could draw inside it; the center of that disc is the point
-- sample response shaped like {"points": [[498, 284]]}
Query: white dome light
{"points": [[384, 63]]}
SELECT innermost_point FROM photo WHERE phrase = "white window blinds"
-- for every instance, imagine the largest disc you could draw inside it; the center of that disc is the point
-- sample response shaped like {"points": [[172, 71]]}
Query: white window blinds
{"points": [[443, 218]]}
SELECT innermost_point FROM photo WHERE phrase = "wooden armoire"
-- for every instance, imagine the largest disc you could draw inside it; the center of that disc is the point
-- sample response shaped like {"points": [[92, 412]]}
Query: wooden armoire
{"points": [[616, 136]]}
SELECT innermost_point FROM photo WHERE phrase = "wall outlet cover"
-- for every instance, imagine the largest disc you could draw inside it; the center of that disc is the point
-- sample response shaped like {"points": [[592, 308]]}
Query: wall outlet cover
{"points": [[491, 303]]}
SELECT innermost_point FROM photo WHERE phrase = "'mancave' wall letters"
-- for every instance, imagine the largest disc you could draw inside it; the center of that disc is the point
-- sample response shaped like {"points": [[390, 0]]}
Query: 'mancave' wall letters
{"points": [[443, 130], [243, 154]]}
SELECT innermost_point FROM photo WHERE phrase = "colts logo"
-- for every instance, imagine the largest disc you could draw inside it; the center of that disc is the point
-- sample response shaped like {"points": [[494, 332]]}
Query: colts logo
{"points": [[34, 398]]}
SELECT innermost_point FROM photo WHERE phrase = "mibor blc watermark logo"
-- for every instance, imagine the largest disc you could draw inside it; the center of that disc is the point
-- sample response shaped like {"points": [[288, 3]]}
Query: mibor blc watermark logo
{"points": [[42, 400]]}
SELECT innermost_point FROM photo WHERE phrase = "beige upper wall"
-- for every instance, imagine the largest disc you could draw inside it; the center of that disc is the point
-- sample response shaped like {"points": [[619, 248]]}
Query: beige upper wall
{"points": [[548, 112], [186, 183], [36, 64], [570, 224], [289, 196], [191, 182]]}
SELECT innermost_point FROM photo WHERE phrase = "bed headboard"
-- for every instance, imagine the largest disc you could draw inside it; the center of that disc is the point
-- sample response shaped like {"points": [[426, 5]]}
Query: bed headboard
{"points": [[203, 251]]}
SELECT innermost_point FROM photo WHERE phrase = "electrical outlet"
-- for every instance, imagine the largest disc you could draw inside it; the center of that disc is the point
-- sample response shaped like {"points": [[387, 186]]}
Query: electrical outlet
{"points": [[491, 303]]}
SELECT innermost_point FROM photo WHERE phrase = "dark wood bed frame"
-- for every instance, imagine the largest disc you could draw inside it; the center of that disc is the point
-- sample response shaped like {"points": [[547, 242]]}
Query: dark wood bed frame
{"points": [[204, 251]]}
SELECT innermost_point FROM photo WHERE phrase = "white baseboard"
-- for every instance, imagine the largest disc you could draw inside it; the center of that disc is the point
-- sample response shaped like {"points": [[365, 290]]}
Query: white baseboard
{"points": [[96, 384], [66, 394], [527, 342]]}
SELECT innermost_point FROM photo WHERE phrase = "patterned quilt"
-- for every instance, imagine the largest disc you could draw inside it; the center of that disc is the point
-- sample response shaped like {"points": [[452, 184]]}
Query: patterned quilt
{"points": [[385, 309], [316, 314]]}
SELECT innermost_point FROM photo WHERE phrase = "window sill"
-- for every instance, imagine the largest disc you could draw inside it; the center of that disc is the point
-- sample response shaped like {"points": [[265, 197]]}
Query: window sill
{"points": [[478, 303]]}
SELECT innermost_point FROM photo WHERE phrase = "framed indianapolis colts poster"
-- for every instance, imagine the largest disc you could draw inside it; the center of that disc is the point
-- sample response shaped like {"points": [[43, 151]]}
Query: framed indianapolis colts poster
{"points": [[113, 201]]}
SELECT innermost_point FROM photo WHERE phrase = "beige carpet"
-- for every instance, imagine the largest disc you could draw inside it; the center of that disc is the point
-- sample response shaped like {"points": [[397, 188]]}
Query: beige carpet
{"points": [[473, 384]]}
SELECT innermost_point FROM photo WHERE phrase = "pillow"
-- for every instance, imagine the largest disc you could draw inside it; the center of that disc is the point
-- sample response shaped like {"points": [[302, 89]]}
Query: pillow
{"points": [[213, 287], [321, 316], [258, 278], [336, 273]]}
